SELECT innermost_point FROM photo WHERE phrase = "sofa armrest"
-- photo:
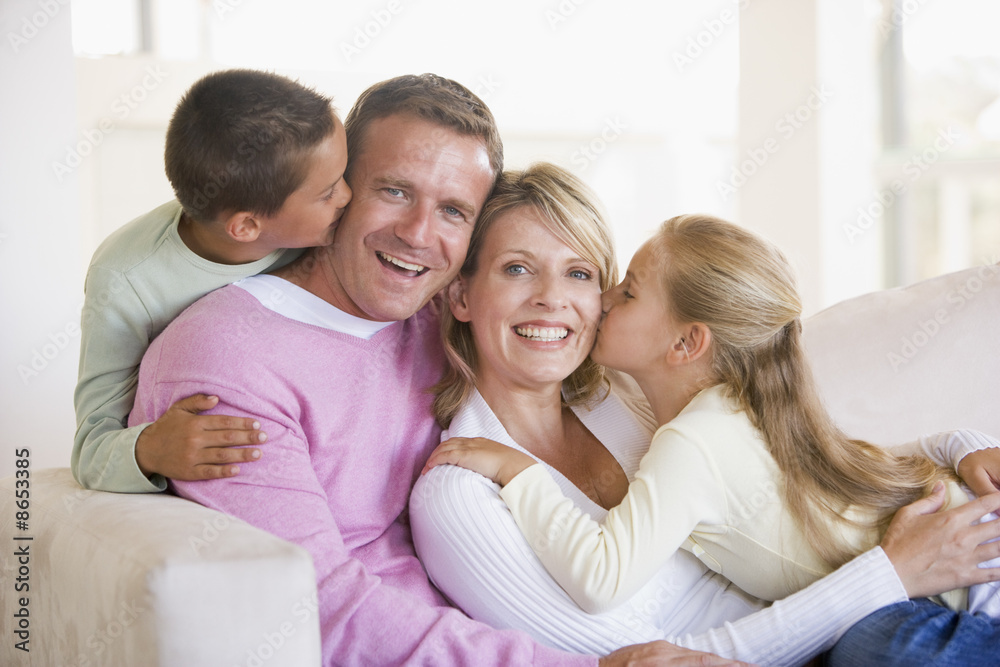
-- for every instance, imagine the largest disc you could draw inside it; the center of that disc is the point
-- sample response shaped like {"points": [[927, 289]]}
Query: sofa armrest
{"points": [[116, 579]]}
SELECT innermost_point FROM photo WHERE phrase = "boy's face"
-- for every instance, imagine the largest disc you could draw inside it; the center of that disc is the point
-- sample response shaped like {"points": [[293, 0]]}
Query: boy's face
{"points": [[311, 213], [418, 190]]}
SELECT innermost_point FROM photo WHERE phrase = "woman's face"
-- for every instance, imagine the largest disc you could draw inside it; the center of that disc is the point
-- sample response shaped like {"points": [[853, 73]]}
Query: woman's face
{"points": [[533, 303]]}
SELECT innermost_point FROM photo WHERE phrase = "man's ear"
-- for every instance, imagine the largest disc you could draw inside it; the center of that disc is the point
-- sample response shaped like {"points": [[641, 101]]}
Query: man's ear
{"points": [[694, 341], [457, 300], [243, 227]]}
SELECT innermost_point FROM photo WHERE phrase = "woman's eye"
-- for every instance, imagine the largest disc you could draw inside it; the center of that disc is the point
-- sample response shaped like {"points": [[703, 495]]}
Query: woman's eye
{"points": [[515, 270], [580, 274]]}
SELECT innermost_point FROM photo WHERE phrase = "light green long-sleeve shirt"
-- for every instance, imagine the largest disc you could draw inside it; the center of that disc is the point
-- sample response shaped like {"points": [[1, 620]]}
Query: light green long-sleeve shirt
{"points": [[140, 278]]}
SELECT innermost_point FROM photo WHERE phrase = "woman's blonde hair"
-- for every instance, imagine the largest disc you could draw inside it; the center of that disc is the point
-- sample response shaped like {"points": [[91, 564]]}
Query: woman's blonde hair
{"points": [[743, 289], [569, 210]]}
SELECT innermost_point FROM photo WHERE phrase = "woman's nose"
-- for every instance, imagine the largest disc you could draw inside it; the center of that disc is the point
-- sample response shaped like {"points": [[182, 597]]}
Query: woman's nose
{"points": [[550, 294]]}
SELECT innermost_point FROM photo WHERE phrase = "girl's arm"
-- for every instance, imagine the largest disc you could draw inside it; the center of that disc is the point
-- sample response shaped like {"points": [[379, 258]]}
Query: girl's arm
{"points": [[600, 565], [603, 564], [975, 456]]}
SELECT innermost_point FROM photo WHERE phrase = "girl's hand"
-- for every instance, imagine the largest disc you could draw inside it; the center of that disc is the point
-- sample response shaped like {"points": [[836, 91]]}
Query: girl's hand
{"points": [[981, 471], [487, 457]]}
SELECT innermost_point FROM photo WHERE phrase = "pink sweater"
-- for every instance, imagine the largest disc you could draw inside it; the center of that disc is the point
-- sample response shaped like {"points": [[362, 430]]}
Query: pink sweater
{"points": [[349, 428]]}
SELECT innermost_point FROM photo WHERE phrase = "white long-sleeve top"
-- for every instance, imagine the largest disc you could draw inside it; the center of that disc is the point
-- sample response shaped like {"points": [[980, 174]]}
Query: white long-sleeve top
{"points": [[708, 484], [474, 553]]}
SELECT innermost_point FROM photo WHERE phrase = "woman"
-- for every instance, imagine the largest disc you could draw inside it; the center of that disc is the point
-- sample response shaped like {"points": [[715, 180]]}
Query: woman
{"points": [[526, 307]]}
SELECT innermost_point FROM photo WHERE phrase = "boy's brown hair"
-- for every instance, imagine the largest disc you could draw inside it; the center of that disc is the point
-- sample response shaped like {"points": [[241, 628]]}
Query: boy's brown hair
{"points": [[241, 140]]}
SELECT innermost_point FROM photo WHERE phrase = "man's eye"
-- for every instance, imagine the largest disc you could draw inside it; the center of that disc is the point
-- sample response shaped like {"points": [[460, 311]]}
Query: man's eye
{"points": [[394, 192], [452, 211]]}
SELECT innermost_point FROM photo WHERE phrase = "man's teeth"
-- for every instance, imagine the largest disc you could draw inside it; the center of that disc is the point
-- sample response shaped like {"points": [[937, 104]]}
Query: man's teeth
{"points": [[400, 263], [544, 334]]}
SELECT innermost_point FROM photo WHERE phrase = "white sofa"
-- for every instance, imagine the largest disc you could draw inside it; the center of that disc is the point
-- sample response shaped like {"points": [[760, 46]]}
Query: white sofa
{"points": [[159, 581]]}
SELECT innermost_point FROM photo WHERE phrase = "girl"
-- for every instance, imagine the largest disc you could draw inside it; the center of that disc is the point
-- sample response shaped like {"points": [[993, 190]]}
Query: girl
{"points": [[747, 471]]}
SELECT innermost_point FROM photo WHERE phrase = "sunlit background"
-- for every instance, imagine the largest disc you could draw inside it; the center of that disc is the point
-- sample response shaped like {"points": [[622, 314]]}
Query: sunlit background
{"points": [[862, 136]]}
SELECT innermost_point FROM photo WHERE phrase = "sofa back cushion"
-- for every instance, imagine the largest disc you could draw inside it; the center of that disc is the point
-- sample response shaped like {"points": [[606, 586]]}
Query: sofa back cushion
{"points": [[894, 364]]}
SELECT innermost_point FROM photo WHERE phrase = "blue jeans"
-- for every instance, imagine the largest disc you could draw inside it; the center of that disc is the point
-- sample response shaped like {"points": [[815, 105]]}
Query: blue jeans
{"points": [[919, 633]]}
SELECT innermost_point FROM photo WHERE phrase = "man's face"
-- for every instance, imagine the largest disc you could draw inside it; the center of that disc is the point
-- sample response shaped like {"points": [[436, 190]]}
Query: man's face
{"points": [[418, 189]]}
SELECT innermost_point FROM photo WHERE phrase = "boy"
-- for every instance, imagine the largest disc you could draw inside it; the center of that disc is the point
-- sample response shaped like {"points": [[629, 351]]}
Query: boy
{"points": [[257, 164]]}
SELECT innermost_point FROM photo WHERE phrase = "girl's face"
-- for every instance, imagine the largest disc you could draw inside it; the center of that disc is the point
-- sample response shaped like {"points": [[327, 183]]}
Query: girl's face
{"points": [[533, 303], [637, 328]]}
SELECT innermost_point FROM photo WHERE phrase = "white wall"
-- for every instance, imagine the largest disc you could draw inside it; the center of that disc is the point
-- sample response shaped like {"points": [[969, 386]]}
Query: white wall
{"points": [[808, 134], [40, 276]]}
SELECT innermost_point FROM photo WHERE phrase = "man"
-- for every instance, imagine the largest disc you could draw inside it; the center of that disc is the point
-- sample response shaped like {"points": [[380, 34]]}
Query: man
{"points": [[334, 354]]}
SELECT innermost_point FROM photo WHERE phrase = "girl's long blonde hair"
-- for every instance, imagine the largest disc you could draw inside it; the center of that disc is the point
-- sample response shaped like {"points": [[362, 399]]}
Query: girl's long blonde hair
{"points": [[743, 289]]}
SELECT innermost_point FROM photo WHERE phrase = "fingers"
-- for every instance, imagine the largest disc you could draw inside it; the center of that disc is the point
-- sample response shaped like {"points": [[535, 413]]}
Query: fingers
{"points": [[204, 472], [196, 403], [928, 505], [981, 483], [978, 508], [443, 455], [219, 463], [226, 430]]}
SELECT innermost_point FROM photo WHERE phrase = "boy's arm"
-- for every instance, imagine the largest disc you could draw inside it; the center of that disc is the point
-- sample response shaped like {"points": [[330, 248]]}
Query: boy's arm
{"points": [[107, 455], [115, 332]]}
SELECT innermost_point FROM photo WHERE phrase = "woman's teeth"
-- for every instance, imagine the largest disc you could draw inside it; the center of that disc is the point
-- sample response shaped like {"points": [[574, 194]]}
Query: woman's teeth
{"points": [[400, 263], [544, 334]]}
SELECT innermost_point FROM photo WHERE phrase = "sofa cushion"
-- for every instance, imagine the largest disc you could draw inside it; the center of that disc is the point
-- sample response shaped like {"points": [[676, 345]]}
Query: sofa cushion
{"points": [[897, 363]]}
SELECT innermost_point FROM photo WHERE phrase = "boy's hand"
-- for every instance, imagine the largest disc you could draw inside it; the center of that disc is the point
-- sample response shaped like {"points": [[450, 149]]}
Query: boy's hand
{"points": [[185, 445], [487, 457]]}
